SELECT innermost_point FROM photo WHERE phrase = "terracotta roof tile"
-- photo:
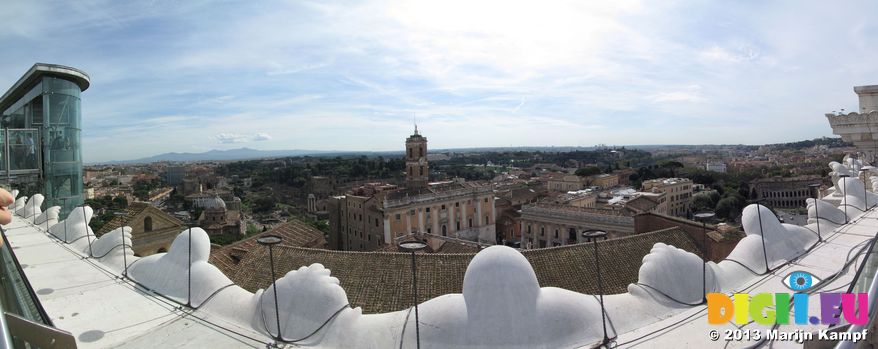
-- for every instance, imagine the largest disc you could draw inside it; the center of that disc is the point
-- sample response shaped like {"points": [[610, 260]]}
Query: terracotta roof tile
{"points": [[294, 233], [131, 211], [641, 203], [453, 247], [381, 281]]}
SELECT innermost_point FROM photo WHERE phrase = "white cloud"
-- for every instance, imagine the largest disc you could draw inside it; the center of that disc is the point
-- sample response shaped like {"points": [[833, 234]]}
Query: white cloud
{"points": [[524, 73], [230, 138], [725, 55], [691, 93]]}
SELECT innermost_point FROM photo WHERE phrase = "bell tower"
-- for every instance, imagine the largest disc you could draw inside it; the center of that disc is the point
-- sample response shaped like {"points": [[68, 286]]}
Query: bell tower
{"points": [[417, 171]]}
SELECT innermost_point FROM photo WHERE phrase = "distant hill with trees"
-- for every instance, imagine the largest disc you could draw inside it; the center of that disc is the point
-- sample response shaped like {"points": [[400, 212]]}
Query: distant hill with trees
{"points": [[827, 141]]}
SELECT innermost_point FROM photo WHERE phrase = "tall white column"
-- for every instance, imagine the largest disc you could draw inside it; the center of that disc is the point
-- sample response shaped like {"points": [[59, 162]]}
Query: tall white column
{"points": [[464, 215], [479, 214], [387, 238], [452, 225], [435, 219], [482, 227]]}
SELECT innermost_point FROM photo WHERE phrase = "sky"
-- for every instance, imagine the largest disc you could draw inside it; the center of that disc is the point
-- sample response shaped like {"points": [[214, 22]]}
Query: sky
{"points": [[192, 76]]}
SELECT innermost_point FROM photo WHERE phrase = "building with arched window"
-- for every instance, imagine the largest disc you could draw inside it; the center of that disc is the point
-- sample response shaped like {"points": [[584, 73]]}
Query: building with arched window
{"points": [[152, 230], [377, 214], [783, 192]]}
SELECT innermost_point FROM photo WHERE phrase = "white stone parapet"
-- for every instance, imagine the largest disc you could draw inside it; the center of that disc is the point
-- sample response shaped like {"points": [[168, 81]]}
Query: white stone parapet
{"points": [[859, 129], [597, 218], [308, 306], [435, 197]]}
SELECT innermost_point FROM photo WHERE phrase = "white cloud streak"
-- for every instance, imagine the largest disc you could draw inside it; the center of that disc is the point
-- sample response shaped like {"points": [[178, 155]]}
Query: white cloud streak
{"points": [[346, 76], [232, 138]]}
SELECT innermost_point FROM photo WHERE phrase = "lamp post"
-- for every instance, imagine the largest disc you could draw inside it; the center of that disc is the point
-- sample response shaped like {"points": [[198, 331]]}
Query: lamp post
{"points": [[865, 171], [33, 209], [270, 241], [124, 255], [85, 224], [593, 235], [762, 231], [189, 268], [844, 185], [815, 188], [414, 246], [703, 217], [63, 205]]}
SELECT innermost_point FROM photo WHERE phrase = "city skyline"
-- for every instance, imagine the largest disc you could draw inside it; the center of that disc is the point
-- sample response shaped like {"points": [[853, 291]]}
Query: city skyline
{"points": [[350, 77]]}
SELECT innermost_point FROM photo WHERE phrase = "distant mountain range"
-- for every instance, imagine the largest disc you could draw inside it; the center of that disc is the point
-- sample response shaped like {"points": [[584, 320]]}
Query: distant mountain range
{"points": [[248, 154], [221, 155]]}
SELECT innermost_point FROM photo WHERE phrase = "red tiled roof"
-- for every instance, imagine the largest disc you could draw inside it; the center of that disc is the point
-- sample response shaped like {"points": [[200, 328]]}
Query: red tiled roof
{"points": [[295, 233], [379, 281]]}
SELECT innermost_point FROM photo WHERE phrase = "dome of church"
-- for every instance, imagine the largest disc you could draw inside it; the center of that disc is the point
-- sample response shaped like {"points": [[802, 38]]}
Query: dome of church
{"points": [[214, 203]]}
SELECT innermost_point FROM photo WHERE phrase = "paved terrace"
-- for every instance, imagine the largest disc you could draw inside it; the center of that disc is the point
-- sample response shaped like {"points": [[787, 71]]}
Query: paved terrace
{"points": [[101, 310], [569, 267], [838, 253]]}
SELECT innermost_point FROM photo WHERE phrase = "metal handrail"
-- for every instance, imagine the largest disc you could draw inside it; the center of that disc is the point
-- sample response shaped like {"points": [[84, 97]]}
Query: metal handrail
{"points": [[30, 290], [873, 306], [16, 329], [862, 266], [6, 340]]}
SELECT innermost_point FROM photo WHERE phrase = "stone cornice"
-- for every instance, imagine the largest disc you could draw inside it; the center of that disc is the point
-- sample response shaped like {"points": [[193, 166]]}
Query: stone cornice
{"points": [[852, 118]]}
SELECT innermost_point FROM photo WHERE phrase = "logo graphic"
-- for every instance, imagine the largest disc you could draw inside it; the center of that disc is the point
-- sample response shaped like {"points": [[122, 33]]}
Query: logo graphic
{"points": [[776, 308], [800, 281]]}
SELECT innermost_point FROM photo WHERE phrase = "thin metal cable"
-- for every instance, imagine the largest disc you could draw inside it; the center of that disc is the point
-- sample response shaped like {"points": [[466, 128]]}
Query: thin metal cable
{"points": [[811, 290], [265, 324], [820, 285], [642, 285], [404, 325]]}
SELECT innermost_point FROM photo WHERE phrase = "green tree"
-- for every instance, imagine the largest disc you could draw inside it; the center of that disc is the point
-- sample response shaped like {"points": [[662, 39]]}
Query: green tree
{"points": [[730, 206], [702, 202], [588, 171], [120, 202], [701, 177], [264, 204], [253, 230], [727, 208]]}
